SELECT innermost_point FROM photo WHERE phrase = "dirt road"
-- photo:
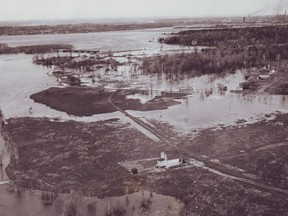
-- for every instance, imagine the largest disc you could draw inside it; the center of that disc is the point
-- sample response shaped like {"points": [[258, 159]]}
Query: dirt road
{"points": [[138, 121]]}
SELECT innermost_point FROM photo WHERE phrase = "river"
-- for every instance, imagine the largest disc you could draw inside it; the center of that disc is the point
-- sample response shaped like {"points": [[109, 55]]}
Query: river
{"points": [[206, 106]]}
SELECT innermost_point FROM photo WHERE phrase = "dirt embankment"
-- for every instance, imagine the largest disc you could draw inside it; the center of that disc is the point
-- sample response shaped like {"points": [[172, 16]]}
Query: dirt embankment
{"points": [[83, 101], [75, 101]]}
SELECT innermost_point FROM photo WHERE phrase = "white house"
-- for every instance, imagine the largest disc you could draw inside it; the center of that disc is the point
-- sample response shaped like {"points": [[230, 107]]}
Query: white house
{"points": [[164, 162]]}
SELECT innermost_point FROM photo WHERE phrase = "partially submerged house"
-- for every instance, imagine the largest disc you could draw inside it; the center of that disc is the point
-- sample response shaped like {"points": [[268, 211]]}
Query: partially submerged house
{"points": [[72, 80], [168, 159], [266, 72], [222, 87], [251, 85]]}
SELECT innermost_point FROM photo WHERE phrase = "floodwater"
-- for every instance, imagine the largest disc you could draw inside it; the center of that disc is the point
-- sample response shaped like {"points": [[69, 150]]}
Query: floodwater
{"points": [[29, 203], [24, 203], [205, 106]]}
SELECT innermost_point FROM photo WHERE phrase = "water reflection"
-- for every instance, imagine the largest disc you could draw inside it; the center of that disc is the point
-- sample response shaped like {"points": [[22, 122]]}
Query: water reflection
{"points": [[208, 106], [29, 203], [216, 109]]}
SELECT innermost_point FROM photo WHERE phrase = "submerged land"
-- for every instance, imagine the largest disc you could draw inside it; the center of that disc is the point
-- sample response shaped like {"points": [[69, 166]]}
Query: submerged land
{"points": [[234, 169]]}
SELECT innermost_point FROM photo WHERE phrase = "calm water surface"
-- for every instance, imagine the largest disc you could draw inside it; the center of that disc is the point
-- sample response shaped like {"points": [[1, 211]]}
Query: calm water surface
{"points": [[103, 41]]}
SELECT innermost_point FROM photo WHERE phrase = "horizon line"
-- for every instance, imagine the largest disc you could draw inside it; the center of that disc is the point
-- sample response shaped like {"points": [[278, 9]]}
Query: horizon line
{"points": [[121, 19]]}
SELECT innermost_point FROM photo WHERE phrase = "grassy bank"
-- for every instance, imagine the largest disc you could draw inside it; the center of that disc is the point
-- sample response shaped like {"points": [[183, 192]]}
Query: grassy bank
{"points": [[33, 49], [77, 28], [84, 101]]}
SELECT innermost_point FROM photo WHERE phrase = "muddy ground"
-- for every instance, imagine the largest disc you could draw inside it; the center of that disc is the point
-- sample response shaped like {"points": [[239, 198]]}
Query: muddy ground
{"points": [[64, 156], [85, 101], [259, 149], [67, 156]]}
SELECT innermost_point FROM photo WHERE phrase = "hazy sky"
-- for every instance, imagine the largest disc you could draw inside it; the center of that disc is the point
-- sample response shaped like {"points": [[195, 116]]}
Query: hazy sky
{"points": [[54, 9]]}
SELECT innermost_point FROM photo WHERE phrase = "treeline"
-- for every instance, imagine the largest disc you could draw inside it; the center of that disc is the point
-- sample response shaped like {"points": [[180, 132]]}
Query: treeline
{"points": [[213, 60], [235, 37], [228, 49], [77, 28], [33, 49]]}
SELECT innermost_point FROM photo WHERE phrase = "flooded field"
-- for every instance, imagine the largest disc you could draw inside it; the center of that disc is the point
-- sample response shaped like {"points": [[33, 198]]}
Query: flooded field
{"points": [[30, 203], [193, 112], [205, 106], [23, 203]]}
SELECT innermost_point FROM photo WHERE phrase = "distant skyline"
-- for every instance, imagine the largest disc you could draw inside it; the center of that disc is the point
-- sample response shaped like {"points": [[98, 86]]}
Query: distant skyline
{"points": [[74, 9]]}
